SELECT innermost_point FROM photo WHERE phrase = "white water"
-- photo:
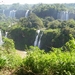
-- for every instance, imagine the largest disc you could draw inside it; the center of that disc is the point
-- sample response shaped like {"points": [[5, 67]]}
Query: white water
{"points": [[3, 11], [6, 34], [63, 15], [12, 13], [1, 42], [67, 15], [37, 41], [26, 14]]}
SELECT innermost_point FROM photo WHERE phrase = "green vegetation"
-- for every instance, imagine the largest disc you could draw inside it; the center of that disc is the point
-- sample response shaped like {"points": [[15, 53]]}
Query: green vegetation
{"points": [[56, 55], [45, 10], [32, 21], [54, 32], [52, 63], [8, 56], [59, 61], [23, 37]]}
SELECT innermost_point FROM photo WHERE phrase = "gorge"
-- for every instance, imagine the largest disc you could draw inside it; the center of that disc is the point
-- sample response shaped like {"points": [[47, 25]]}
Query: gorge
{"points": [[28, 21]]}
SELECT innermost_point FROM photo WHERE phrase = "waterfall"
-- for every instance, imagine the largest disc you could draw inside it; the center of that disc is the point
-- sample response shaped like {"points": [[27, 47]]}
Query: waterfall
{"points": [[37, 41], [12, 13], [6, 34], [63, 15], [1, 42], [3, 11], [67, 15], [26, 14]]}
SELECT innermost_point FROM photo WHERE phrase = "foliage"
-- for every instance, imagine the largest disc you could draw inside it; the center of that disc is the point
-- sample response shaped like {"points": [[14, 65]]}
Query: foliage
{"points": [[59, 61], [70, 45], [44, 10], [54, 24], [8, 56], [32, 21], [55, 32], [8, 45], [55, 62], [13, 60], [9, 60], [2, 61], [51, 39], [22, 37]]}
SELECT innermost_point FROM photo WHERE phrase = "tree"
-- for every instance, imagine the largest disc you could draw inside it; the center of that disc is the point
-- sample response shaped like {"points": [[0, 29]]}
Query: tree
{"points": [[70, 45], [32, 21], [8, 45], [54, 24]]}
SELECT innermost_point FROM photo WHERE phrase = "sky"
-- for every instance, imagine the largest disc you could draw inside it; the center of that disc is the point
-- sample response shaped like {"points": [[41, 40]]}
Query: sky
{"points": [[35, 1]]}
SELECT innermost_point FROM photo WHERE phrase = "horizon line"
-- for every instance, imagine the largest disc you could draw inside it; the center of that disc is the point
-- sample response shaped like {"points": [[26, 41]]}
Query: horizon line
{"points": [[33, 3]]}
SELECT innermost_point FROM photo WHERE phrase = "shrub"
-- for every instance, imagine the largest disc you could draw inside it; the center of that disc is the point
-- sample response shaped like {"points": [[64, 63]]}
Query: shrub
{"points": [[55, 62]]}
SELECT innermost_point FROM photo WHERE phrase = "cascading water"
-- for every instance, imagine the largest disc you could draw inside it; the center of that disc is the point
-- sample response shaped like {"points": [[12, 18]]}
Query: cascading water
{"points": [[12, 13], [63, 15], [67, 15], [3, 11], [26, 14], [6, 34], [37, 41], [1, 42]]}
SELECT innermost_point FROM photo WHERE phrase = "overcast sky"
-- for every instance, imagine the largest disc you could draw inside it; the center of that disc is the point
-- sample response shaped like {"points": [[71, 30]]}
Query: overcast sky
{"points": [[35, 1]]}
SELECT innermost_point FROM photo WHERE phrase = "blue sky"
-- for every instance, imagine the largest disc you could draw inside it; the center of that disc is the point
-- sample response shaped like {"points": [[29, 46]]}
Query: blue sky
{"points": [[35, 1]]}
